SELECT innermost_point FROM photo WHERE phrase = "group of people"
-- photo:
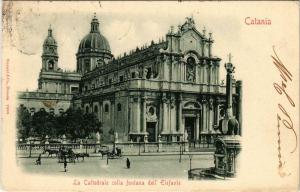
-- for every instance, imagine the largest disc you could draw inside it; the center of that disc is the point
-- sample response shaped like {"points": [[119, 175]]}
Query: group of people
{"points": [[39, 161], [118, 152]]}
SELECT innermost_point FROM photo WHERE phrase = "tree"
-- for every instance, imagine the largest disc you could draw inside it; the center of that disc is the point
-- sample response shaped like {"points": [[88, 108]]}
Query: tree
{"points": [[73, 123], [80, 125], [44, 124], [23, 122], [60, 124], [91, 124]]}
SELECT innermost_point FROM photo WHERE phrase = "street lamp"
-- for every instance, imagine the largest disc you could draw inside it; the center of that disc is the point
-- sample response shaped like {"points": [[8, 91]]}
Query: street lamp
{"points": [[30, 145], [107, 159], [180, 153], [86, 139], [190, 156], [180, 149]]}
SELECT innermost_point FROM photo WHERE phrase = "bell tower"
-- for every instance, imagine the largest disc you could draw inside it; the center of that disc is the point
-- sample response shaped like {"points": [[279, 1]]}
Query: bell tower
{"points": [[49, 56]]}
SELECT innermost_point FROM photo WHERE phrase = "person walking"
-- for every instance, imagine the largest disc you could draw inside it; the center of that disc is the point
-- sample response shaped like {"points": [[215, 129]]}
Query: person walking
{"points": [[38, 161], [128, 163], [65, 163]]}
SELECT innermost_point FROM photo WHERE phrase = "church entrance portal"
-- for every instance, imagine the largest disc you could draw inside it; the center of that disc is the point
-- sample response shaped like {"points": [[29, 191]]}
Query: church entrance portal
{"points": [[151, 130], [190, 127]]}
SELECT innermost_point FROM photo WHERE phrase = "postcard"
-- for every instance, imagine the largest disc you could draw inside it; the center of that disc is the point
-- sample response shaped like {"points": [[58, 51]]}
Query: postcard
{"points": [[150, 96]]}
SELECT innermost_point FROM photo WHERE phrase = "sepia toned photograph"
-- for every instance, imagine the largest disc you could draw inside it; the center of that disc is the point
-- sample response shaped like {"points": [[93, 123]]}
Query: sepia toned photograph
{"points": [[159, 95]]}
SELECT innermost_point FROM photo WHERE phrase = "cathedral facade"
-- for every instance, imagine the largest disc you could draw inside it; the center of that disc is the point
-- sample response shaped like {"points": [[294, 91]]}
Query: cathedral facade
{"points": [[166, 90]]}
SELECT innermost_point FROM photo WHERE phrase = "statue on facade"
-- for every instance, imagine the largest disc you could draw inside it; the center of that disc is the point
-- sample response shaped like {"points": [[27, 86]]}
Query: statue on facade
{"points": [[190, 75], [190, 69], [145, 73]]}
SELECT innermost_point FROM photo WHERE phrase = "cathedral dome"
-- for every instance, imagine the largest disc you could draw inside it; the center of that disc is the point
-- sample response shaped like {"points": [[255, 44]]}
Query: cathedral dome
{"points": [[94, 41]]}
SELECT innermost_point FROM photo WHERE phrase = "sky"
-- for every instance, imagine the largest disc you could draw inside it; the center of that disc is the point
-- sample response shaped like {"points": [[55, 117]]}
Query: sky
{"points": [[124, 29]]}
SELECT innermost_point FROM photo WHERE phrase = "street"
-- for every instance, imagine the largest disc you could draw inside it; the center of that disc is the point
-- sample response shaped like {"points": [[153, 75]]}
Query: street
{"points": [[141, 166]]}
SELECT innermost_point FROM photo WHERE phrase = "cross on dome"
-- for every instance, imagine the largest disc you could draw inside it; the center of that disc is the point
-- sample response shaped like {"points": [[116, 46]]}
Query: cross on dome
{"points": [[229, 57], [50, 31], [95, 24]]}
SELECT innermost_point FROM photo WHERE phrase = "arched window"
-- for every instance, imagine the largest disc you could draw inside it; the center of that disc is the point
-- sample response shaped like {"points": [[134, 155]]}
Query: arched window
{"points": [[106, 108], [119, 106], [151, 111], [87, 109], [51, 65], [190, 69], [87, 65], [96, 109]]}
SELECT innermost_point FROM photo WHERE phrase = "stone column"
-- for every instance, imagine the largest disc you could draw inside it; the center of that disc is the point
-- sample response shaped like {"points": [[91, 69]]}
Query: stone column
{"points": [[200, 74], [112, 114], [136, 115], [213, 77], [179, 115], [204, 120], [240, 96], [143, 115], [161, 69], [165, 114], [166, 68], [230, 69], [206, 73], [197, 72], [203, 73], [216, 112], [202, 48], [183, 72], [210, 74], [197, 127], [132, 119], [217, 75], [183, 125], [160, 120], [180, 70], [101, 111], [210, 113]]}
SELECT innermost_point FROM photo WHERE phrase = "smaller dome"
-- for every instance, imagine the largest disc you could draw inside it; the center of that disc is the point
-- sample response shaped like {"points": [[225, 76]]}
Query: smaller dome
{"points": [[50, 39]]}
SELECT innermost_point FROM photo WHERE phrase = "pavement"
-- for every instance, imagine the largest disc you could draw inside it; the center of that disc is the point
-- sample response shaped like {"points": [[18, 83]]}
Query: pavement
{"points": [[164, 166], [201, 151]]}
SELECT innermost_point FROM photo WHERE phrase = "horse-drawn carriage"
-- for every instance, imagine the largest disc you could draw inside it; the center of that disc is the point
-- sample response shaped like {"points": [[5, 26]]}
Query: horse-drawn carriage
{"points": [[114, 154], [68, 154], [51, 152]]}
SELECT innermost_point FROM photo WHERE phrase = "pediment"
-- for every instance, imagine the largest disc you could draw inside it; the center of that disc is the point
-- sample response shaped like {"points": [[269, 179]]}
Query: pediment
{"points": [[191, 40]]}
